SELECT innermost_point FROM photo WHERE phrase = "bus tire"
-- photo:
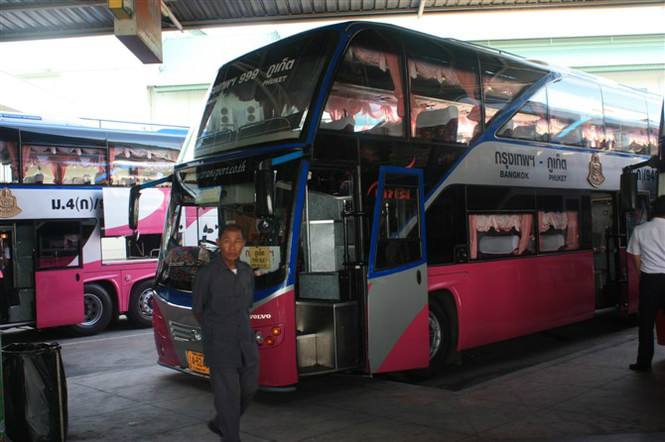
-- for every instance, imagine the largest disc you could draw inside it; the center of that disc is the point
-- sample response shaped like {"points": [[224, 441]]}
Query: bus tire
{"points": [[97, 310], [442, 334], [139, 311]]}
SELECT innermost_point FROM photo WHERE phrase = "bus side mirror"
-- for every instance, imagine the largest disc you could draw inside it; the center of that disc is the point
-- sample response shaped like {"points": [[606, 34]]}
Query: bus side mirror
{"points": [[628, 190], [265, 192], [134, 195]]}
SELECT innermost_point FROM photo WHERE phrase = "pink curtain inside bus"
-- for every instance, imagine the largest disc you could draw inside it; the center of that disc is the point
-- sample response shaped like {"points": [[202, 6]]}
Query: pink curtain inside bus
{"points": [[385, 61], [62, 165]]}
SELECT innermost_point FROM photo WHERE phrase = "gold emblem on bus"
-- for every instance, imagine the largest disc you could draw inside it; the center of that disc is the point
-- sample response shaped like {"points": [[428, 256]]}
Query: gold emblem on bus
{"points": [[595, 177], [8, 206]]}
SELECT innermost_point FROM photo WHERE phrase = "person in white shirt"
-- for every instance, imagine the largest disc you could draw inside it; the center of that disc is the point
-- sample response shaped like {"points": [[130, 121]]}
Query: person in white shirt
{"points": [[647, 247]]}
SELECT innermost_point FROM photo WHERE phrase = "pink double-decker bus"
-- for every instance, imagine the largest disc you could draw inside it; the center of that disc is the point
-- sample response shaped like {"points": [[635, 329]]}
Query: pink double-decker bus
{"points": [[404, 197], [66, 254]]}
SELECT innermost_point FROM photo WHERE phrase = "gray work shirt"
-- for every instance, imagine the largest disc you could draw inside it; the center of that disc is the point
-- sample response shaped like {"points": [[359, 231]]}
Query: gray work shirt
{"points": [[222, 299]]}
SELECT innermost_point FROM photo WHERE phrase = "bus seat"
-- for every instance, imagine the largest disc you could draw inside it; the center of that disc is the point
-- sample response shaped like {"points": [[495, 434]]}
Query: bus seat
{"points": [[346, 124], [100, 178], [498, 244], [37, 178], [389, 129], [551, 242], [525, 132], [438, 124]]}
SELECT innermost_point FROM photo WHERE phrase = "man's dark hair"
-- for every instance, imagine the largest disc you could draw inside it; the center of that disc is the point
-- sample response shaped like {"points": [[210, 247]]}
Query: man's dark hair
{"points": [[659, 206], [232, 228]]}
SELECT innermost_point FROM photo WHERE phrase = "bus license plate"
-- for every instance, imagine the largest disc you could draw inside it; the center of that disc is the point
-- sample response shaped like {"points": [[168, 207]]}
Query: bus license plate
{"points": [[195, 362]]}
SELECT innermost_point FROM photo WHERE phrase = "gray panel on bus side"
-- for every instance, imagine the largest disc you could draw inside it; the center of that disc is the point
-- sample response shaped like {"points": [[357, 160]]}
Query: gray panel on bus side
{"points": [[24, 257], [25, 310]]}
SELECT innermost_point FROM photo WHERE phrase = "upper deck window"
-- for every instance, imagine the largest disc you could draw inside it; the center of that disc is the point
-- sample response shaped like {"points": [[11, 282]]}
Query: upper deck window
{"points": [[138, 164], [49, 164], [530, 122], [368, 94], [8, 156], [654, 107], [576, 114], [445, 98], [263, 96], [573, 112], [503, 80], [626, 121]]}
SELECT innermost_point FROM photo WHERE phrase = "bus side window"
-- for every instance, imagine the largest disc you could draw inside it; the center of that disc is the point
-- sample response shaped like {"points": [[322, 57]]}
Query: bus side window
{"points": [[444, 92], [46, 164], [558, 222], [626, 121], [368, 94], [502, 81], [136, 164], [447, 227], [59, 243], [576, 114], [653, 109], [399, 224], [8, 156], [493, 235], [530, 122]]}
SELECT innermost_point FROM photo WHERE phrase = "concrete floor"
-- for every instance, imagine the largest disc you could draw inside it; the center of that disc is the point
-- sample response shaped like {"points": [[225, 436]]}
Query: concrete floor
{"points": [[587, 394]]}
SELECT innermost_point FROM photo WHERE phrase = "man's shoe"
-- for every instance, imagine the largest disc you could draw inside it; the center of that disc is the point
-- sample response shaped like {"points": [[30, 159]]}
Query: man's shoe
{"points": [[640, 367], [214, 428]]}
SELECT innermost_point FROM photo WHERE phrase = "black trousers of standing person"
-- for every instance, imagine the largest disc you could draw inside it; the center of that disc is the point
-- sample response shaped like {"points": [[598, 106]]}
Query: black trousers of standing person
{"points": [[233, 389], [652, 298]]}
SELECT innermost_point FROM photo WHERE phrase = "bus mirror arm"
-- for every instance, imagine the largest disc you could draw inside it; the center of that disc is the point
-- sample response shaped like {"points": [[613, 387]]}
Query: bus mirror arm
{"points": [[135, 194], [265, 190]]}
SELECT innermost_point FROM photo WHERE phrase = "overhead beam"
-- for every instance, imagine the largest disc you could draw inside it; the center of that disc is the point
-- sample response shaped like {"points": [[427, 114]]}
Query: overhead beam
{"points": [[46, 4], [45, 35], [421, 8], [166, 11]]}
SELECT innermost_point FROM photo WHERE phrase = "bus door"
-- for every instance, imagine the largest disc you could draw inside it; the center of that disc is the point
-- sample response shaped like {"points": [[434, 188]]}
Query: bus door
{"points": [[8, 296], [608, 273], [397, 309], [58, 279], [16, 282]]}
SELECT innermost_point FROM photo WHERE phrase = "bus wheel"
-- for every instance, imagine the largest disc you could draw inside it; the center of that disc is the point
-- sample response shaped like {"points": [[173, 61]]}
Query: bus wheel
{"points": [[440, 335], [97, 310], [140, 304]]}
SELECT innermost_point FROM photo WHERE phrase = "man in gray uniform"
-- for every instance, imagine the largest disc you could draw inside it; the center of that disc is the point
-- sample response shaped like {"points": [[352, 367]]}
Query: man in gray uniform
{"points": [[647, 246], [222, 296]]}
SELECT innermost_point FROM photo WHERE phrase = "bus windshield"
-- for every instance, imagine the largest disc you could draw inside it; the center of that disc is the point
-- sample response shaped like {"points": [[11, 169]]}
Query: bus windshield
{"points": [[263, 96], [201, 204]]}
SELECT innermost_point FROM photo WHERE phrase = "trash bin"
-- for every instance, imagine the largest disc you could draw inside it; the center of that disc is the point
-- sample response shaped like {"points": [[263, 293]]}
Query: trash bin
{"points": [[35, 392]]}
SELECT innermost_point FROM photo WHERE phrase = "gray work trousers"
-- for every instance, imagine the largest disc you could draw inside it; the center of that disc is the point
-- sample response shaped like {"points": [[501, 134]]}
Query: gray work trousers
{"points": [[233, 389]]}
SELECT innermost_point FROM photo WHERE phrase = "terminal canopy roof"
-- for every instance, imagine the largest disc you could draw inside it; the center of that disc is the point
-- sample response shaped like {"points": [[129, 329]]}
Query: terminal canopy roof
{"points": [[37, 19]]}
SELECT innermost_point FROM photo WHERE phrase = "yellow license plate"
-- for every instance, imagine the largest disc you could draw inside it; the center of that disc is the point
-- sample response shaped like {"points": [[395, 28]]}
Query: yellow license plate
{"points": [[196, 363]]}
